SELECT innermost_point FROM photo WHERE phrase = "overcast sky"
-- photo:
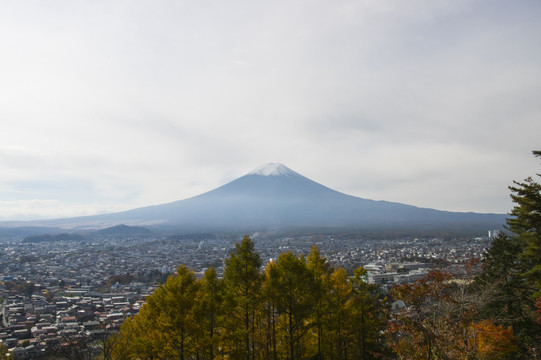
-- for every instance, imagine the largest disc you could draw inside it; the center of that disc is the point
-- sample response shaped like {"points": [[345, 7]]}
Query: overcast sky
{"points": [[113, 105]]}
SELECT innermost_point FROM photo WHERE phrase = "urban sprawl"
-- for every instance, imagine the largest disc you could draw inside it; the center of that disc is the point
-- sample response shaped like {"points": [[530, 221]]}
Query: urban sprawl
{"points": [[55, 291]]}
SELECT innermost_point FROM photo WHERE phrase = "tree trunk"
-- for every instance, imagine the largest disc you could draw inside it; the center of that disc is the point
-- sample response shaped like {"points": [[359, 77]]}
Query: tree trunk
{"points": [[291, 347]]}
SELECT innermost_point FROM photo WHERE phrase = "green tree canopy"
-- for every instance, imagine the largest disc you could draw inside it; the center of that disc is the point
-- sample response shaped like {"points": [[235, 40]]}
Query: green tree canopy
{"points": [[526, 223], [242, 279]]}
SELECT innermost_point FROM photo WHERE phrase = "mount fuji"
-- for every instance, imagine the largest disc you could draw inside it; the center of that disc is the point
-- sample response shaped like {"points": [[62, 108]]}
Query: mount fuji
{"points": [[274, 197]]}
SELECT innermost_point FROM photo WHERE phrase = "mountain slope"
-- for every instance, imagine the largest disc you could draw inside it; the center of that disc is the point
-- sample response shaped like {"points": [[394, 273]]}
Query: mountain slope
{"points": [[276, 197]]}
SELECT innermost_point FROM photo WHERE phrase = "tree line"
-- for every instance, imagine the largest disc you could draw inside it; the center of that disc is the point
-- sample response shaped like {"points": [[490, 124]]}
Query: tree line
{"points": [[296, 308]]}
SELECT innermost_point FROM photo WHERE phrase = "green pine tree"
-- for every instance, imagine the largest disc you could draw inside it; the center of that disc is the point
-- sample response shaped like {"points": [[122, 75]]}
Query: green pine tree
{"points": [[320, 270], [295, 300], [242, 280], [210, 312], [526, 223]]}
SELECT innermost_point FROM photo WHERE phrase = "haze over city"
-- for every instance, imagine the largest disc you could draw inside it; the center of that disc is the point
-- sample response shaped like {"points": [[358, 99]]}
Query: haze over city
{"points": [[109, 106]]}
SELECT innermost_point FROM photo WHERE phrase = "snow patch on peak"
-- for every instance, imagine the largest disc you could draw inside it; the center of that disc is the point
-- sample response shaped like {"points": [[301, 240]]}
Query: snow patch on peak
{"points": [[273, 169]]}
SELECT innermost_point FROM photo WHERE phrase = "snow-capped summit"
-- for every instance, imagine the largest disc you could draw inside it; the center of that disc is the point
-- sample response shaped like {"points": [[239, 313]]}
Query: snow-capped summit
{"points": [[273, 169]]}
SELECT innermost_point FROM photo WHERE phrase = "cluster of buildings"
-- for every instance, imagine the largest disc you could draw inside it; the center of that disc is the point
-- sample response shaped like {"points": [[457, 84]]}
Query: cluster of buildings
{"points": [[388, 262], [53, 291], [36, 325]]}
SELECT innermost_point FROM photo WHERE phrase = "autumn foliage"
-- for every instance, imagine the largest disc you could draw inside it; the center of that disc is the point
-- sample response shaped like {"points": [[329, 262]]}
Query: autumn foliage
{"points": [[299, 307], [296, 308], [443, 322]]}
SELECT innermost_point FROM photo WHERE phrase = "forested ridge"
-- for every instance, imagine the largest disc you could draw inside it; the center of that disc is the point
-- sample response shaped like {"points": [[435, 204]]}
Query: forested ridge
{"points": [[298, 307]]}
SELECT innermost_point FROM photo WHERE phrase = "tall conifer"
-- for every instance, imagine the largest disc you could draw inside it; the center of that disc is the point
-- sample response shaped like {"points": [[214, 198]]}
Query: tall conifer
{"points": [[242, 280]]}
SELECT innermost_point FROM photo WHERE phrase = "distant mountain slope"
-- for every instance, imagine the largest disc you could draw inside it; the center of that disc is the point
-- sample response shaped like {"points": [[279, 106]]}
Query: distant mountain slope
{"points": [[125, 230], [276, 197], [20, 229], [53, 238]]}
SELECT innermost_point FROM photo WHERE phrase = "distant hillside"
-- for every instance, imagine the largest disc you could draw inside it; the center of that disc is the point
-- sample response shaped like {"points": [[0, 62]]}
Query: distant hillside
{"points": [[22, 231], [125, 230], [53, 238]]}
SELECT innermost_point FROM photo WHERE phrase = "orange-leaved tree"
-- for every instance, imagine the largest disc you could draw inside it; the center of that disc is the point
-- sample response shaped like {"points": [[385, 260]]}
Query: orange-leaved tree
{"points": [[442, 321]]}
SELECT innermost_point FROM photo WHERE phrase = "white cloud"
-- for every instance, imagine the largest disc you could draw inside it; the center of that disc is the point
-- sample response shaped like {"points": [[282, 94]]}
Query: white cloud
{"points": [[145, 102], [39, 209]]}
